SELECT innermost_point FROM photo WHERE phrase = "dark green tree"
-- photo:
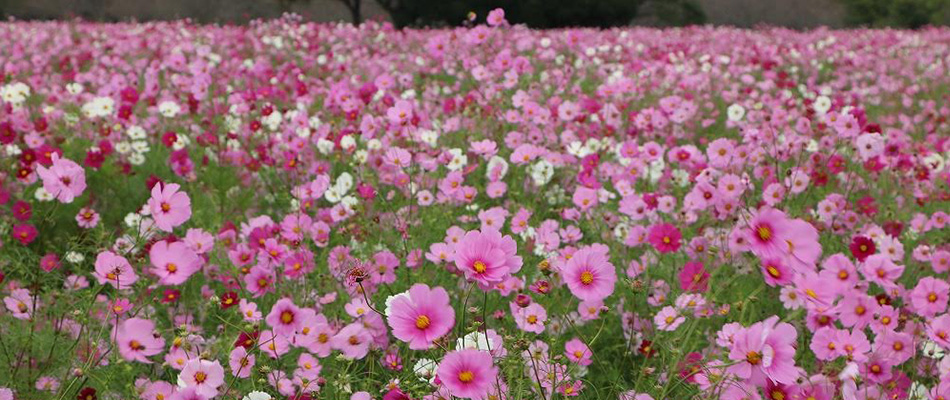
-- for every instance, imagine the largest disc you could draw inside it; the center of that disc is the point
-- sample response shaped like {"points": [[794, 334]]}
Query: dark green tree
{"points": [[898, 13], [534, 13]]}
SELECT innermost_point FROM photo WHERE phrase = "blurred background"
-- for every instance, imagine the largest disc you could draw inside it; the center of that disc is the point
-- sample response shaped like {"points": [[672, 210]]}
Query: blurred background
{"points": [[800, 14]]}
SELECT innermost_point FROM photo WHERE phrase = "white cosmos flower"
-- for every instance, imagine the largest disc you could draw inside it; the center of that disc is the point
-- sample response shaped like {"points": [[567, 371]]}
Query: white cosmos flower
{"points": [[169, 109], [257, 396], [735, 112]]}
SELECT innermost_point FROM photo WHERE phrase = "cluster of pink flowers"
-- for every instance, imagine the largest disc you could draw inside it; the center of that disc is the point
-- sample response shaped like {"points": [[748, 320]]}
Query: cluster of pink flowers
{"points": [[299, 211]]}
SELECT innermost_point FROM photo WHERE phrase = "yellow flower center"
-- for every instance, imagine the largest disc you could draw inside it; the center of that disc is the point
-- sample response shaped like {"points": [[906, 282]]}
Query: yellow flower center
{"points": [[587, 278], [286, 317], [479, 267], [422, 322]]}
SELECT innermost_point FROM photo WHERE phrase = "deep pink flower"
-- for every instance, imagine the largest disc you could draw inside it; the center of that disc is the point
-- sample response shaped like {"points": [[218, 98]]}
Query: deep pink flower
{"points": [[24, 233], [665, 238], [168, 206], [862, 247], [694, 278], [421, 316], [49, 262], [468, 374]]}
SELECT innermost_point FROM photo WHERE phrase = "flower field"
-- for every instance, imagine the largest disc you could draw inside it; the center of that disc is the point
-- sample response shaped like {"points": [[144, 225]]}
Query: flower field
{"points": [[291, 210]]}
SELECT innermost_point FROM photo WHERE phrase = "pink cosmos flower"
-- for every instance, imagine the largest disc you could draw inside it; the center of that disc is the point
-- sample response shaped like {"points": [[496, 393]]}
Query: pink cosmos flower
{"points": [[173, 263], [421, 316], [87, 218], [930, 296], [168, 206], [199, 241], [114, 270], [203, 376], [249, 311], [857, 309], [188, 393], [496, 17], [241, 362], [284, 317], [825, 344], [259, 281], [136, 340], [353, 341], [21, 303], [578, 352], [664, 237], [585, 198], [879, 269], [65, 180], [776, 271], [589, 274], [767, 233], [668, 319], [765, 350], [530, 318], [896, 346], [938, 330], [487, 257], [468, 374], [308, 367], [273, 345]]}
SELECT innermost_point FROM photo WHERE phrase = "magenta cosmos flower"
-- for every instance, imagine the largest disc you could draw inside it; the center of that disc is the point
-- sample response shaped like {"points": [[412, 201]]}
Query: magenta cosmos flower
{"points": [[589, 274], [65, 180], [421, 316], [169, 207], [664, 237], [487, 257], [173, 262], [203, 376], [137, 341], [468, 374]]}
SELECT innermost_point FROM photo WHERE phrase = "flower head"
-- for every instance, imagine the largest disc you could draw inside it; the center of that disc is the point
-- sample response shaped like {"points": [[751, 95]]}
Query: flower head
{"points": [[468, 374], [168, 206], [421, 317]]}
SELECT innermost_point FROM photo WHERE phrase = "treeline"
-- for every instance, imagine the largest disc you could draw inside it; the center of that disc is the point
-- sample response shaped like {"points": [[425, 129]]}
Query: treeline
{"points": [[898, 13]]}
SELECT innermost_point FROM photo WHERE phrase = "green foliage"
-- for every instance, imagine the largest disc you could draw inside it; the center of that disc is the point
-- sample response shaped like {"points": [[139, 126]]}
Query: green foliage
{"points": [[898, 13], [678, 12]]}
